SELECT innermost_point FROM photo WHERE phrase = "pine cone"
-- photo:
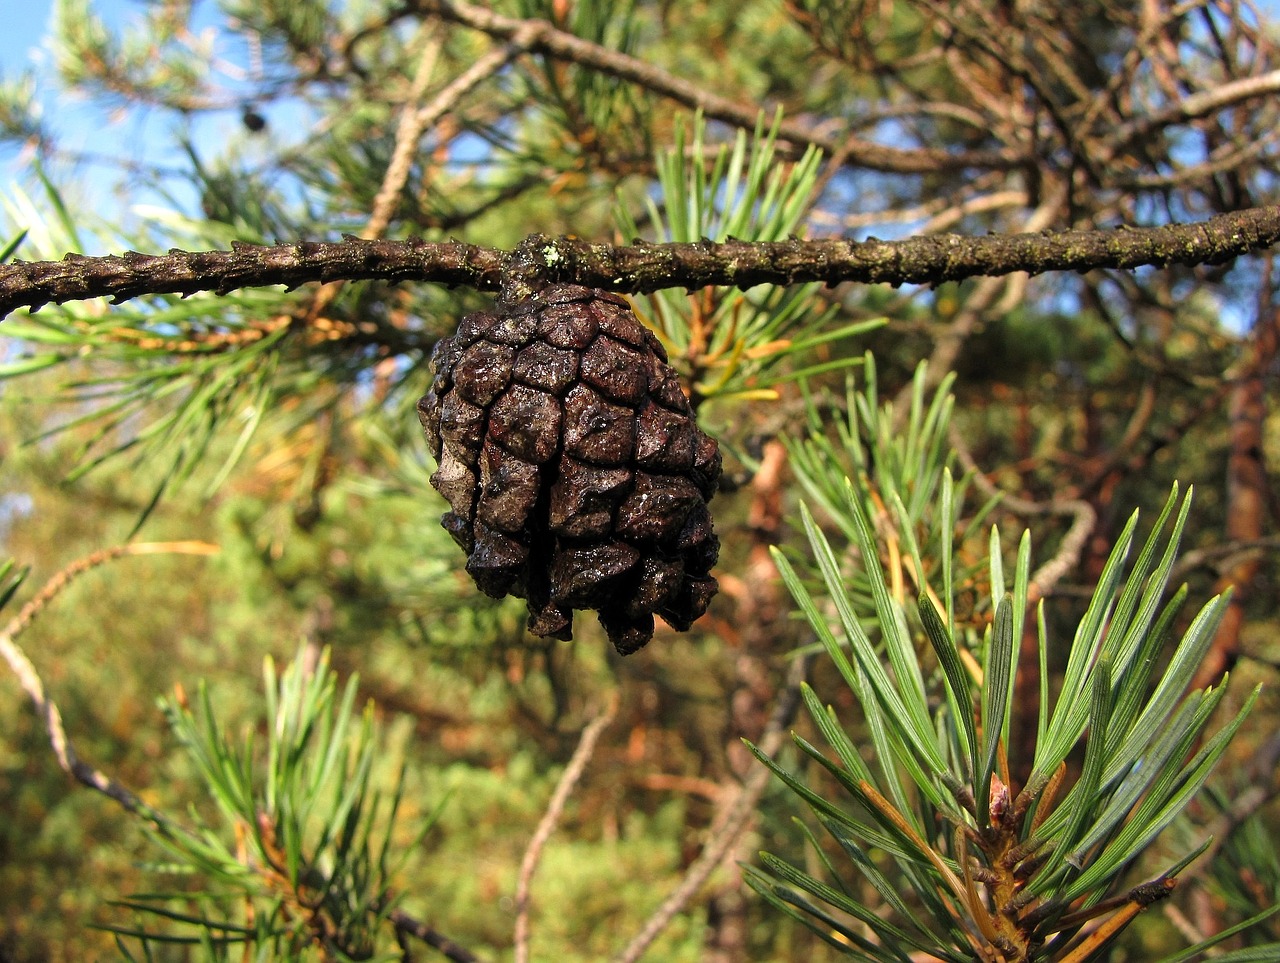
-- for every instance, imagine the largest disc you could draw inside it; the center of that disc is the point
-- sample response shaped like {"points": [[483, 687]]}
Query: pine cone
{"points": [[574, 468]]}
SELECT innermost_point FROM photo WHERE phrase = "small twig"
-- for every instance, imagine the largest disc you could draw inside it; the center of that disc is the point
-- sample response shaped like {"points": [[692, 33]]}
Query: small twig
{"points": [[29, 677], [1198, 105], [65, 752], [408, 134], [415, 122], [985, 293], [412, 124], [1183, 925], [565, 46], [1222, 556], [1072, 545], [52, 588], [1261, 788], [546, 826], [406, 925], [729, 827], [1070, 548]]}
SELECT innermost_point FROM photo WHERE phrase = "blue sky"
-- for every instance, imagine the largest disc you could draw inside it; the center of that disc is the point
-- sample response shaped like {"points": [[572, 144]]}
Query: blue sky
{"points": [[22, 42], [25, 24], [78, 125], [83, 126]]}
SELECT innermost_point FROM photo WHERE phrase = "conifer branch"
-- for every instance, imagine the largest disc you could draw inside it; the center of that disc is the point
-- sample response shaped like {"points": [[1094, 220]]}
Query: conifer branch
{"points": [[546, 39], [637, 268]]}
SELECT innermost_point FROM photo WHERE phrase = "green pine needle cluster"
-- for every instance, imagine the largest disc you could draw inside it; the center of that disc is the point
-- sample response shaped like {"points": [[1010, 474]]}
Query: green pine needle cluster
{"points": [[730, 343], [993, 858], [302, 857]]}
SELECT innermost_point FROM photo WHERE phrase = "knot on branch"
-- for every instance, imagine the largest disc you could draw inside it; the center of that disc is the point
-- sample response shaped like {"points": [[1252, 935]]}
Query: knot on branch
{"points": [[536, 263]]}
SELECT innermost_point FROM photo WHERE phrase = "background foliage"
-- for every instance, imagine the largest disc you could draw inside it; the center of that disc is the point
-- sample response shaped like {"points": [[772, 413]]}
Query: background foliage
{"points": [[279, 426]]}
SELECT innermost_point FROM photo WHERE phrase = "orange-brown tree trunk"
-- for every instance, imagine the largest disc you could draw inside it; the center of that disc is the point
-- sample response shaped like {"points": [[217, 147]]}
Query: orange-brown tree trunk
{"points": [[1247, 488]]}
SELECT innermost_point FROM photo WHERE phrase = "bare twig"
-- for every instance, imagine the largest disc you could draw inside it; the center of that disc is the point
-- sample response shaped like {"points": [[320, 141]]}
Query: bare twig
{"points": [[561, 45], [1260, 788], [1199, 104], [984, 294], [1073, 543], [1069, 549], [88, 775], [637, 268], [546, 826], [1182, 924], [729, 826], [29, 677], [406, 925], [415, 121], [1222, 556], [54, 587]]}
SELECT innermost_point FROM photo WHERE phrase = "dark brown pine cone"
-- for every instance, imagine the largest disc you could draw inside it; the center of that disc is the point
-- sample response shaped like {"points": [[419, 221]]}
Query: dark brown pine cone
{"points": [[576, 473]]}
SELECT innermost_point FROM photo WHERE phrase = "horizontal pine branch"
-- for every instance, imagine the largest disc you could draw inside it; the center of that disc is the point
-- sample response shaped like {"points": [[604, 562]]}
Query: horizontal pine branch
{"points": [[636, 268]]}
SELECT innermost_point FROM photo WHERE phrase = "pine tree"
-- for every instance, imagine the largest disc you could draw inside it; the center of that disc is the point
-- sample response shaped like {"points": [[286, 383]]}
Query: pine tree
{"points": [[347, 182]]}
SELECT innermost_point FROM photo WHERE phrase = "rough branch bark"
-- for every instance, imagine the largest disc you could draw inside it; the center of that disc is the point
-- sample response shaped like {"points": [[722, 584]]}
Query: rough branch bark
{"points": [[640, 267]]}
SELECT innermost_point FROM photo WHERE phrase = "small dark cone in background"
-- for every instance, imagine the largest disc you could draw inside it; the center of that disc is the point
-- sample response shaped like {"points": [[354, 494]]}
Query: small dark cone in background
{"points": [[576, 474]]}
